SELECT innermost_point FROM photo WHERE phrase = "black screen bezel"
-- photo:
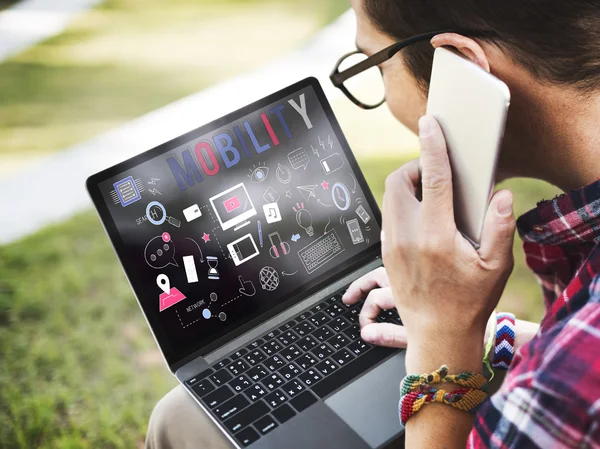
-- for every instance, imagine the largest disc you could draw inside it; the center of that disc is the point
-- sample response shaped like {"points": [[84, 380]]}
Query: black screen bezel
{"points": [[209, 344]]}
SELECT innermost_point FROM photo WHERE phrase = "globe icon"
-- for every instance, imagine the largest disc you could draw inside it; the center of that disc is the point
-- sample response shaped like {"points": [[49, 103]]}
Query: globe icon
{"points": [[269, 279]]}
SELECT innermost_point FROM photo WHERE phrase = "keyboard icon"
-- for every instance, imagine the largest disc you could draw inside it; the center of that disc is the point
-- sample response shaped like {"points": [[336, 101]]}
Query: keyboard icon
{"points": [[318, 253]]}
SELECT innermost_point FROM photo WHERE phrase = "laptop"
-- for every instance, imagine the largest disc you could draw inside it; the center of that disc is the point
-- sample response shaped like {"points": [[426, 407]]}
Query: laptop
{"points": [[239, 239]]}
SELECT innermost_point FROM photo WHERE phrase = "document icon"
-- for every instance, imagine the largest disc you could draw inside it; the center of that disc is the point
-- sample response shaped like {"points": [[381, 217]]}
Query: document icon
{"points": [[192, 212], [127, 191]]}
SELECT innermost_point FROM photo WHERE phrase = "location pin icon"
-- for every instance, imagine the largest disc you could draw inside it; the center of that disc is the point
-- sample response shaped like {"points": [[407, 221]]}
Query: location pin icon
{"points": [[163, 282]]}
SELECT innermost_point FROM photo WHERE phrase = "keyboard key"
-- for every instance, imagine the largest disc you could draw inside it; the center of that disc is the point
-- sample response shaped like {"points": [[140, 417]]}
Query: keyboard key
{"points": [[303, 401], [246, 416], [318, 307], [256, 344], [306, 361], [238, 354], [293, 388], [326, 367], [265, 425], [273, 381], [291, 353], [240, 383], [310, 377], [290, 371], [222, 364], [331, 300], [359, 347], [342, 357], [335, 310], [255, 357], [338, 342], [275, 399], [322, 351], [323, 333], [231, 407], [283, 413], [221, 377], [270, 348], [353, 332], [339, 324], [304, 328], [203, 387], [319, 319], [275, 362], [258, 372], [304, 316], [238, 367], [307, 343], [218, 396], [255, 392], [352, 315], [247, 436], [200, 376], [271, 335], [287, 326], [287, 338], [346, 373]]}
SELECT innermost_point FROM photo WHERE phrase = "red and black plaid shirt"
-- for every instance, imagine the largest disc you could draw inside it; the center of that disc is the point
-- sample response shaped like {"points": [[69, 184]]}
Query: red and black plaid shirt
{"points": [[551, 394]]}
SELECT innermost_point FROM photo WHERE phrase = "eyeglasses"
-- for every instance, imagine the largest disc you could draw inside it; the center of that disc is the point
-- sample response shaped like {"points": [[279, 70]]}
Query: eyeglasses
{"points": [[369, 86]]}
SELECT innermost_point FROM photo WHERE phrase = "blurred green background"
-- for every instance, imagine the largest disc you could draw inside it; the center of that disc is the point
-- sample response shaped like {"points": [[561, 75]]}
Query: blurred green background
{"points": [[78, 366]]}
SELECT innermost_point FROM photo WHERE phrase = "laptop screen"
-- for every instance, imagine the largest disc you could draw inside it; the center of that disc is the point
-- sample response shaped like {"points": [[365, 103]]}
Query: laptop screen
{"points": [[229, 222]]}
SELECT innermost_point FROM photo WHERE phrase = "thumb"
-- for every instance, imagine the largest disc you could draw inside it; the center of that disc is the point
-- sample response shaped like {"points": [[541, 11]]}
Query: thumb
{"points": [[498, 229], [384, 334]]}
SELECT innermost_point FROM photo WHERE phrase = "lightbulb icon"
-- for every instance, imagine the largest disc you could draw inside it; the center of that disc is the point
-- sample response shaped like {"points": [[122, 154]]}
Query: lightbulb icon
{"points": [[304, 219]]}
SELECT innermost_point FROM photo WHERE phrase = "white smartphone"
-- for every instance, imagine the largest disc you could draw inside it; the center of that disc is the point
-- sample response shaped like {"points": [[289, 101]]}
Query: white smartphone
{"points": [[471, 106]]}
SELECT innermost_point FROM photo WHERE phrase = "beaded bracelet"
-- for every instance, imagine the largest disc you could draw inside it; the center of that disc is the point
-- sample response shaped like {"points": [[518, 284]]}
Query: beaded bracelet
{"points": [[504, 347], [465, 399], [413, 382]]}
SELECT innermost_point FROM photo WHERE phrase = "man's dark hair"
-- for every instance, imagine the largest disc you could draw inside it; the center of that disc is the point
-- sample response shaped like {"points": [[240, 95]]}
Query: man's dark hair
{"points": [[558, 41]]}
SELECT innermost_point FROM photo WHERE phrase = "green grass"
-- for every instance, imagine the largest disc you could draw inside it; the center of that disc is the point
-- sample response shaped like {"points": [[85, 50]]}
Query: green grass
{"points": [[79, 366], [127, 57]]}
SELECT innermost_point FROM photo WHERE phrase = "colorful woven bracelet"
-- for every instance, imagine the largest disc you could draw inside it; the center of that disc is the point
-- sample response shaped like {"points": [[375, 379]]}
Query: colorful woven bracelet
{"points": [[504, 347], [414, 382], [465, 399]]}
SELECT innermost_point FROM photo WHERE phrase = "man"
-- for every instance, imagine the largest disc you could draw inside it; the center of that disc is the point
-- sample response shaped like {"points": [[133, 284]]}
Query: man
{"points": [[548, 53]]}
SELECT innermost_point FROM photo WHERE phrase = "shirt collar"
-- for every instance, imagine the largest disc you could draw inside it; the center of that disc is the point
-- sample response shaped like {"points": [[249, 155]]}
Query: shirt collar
{"points": [[571, 218]]}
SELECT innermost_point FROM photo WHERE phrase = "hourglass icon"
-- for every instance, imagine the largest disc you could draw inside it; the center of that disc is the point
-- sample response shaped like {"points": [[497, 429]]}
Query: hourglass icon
{"points": [[213, 263]]}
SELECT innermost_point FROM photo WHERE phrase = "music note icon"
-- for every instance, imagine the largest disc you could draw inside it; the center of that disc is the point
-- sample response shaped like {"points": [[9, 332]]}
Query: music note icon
{"points": [[272, 213]]}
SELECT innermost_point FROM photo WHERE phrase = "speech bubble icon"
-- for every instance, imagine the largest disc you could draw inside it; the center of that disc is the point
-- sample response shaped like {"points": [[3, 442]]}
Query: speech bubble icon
{"points": [[298, 158], [159, 254]]}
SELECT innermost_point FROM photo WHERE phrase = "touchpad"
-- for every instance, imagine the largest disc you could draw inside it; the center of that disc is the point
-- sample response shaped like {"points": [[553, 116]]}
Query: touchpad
{"points": [[369, 405]]}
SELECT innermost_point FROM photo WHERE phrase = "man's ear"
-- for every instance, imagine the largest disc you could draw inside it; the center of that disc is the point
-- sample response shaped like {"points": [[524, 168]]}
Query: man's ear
{"points": [[465, 45]]}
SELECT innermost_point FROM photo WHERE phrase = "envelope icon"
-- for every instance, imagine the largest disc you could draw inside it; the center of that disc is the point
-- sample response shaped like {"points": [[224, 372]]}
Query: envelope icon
{"points": [[192, 212]]}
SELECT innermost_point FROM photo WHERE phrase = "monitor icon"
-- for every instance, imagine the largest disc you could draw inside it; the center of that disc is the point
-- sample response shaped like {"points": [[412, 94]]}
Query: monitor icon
{"points": [[233, 207]]}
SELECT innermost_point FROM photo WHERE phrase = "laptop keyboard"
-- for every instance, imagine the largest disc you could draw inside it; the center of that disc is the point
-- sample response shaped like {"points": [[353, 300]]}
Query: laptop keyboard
{"points": [[261, 386]]}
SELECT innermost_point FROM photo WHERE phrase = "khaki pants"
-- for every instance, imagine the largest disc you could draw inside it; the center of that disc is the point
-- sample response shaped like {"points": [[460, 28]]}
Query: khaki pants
{"points": [[178, 422]]}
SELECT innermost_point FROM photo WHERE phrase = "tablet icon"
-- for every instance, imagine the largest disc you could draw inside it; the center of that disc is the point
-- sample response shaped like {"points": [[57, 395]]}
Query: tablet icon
{"points": [[170, 296], [243, 249], [272, 213]]}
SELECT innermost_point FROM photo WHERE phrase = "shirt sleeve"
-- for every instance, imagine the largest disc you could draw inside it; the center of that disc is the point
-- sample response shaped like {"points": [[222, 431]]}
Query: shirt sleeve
{"points": [[550, 397]]}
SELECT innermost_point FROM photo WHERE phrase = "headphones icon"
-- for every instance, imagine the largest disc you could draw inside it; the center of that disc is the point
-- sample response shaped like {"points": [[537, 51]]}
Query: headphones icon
{"points": [[277, 245]]}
